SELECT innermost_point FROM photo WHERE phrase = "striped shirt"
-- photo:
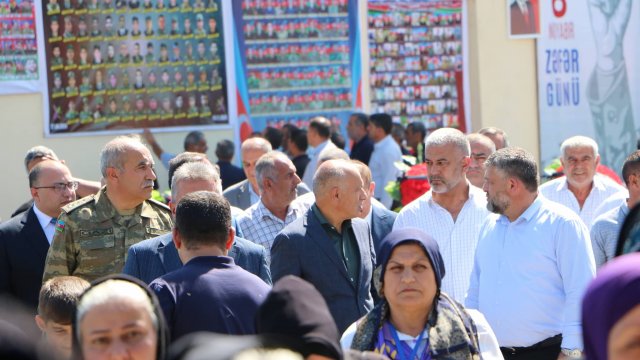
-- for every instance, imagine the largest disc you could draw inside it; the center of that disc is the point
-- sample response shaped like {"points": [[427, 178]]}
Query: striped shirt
{"points": [[604, 234], [457, 240]]}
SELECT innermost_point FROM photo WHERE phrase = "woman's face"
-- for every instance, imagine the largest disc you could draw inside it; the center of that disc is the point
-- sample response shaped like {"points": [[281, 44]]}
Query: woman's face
{"points": [[624, 337], [409, 280], [118, 329]]}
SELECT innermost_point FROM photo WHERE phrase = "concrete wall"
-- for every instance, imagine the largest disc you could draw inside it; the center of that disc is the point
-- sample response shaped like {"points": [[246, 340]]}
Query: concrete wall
{"points": [[21, 127]]}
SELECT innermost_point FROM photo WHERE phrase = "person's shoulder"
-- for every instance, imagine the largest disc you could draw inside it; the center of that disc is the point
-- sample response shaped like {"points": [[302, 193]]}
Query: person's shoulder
{"points": [[235, 188], [159, 206], [151, 244], [552, 185], [74, 209], [297, 229], [610, 217], [417, 205], [248, 247], [554, 211], [13, 224]]}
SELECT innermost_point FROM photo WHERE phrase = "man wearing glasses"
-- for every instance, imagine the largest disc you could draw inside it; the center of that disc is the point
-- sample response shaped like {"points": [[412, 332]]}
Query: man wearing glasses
{"points": [[25, 239], [93, 234]]}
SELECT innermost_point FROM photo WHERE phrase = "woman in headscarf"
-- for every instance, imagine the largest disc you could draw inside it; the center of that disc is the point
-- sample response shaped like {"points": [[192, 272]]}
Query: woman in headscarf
{"points": [[119, 317], [611, 311], [415, 320]]}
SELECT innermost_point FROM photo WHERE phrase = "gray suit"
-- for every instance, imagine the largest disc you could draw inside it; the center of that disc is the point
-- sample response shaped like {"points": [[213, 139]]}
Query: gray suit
{"points": [[239, 195], [304, 249]]}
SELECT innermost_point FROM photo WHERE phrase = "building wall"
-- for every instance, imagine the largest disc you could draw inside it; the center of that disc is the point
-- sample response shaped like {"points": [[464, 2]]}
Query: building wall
{"points": [[502, 85]]}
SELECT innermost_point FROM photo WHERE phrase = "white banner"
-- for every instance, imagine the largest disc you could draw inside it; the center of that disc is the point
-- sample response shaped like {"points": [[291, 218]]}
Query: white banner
{"points": [[589, 76]]}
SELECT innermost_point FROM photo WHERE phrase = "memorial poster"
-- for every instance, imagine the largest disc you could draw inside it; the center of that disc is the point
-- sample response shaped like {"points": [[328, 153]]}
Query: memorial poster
{"points": [[589, 76], [416, 61], [121, 65], [295, 60], [19, 55]]}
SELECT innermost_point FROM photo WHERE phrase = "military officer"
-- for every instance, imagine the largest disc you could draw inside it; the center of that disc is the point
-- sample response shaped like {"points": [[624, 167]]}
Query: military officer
{"points": [[94, 233]]}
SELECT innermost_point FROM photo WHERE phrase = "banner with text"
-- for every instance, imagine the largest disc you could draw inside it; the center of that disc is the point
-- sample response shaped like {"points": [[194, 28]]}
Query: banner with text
{"points": [[589, 76]]}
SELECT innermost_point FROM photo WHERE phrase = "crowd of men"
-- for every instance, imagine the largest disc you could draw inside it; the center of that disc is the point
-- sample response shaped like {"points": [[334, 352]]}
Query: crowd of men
{"points": [[520, 252]]}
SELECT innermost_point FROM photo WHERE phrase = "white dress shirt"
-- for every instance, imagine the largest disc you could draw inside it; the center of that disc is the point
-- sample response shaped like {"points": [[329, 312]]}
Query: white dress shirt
{"points": [[530, 274], [385, 153], [314, 155], [45, 222], [457, 240], [605, 232], [261, 226], [557, 190]]}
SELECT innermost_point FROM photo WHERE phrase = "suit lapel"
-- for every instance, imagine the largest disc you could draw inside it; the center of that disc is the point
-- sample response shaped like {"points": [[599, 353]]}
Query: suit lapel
{"points": [[167, 256], [316, 233], [34, 233]]}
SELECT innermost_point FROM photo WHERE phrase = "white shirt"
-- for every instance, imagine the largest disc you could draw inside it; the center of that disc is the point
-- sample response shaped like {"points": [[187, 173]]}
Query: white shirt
{"points": [[314, 155], [489, 349], [457, 240], [261, 226], [557, 190], [385, 153], [45, 222], [530, 274]]}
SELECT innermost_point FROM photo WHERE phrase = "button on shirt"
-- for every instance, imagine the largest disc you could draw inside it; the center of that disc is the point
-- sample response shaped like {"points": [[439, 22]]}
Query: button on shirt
{"points": [[457, 240], [604, 234], [258, 224], [558, 190], [530, 274], [345, 244], [47, 223], [385, 153]]}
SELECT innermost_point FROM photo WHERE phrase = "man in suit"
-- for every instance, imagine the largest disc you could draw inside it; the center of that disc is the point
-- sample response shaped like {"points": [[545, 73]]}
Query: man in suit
{"points": [[25, 239], [380, 219], [229, 173], [155, 257], [210, 292], [329, 246]]}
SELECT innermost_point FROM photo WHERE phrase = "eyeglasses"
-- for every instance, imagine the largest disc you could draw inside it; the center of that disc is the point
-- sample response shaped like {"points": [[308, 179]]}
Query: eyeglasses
{"points": [[60, 187]]}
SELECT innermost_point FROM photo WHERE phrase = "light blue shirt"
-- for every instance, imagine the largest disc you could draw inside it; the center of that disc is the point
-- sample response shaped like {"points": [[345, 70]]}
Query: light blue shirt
{"points": [[605, 232], [530, 274], [314, 155], [385, 153]]}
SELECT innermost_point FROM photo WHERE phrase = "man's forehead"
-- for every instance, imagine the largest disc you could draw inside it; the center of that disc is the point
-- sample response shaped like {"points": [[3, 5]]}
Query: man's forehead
{"points": [[579, 151], [478, 147]]}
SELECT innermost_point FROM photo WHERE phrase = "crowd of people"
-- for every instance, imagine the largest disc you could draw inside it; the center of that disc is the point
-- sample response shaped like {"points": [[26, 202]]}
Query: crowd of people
{"points": [[300, 254]]}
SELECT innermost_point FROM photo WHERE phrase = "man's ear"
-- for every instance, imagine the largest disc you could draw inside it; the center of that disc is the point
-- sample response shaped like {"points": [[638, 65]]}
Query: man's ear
{"points": [[230, 239], [372, 188], [597, 160], [172, 207], [466, 161], [34, 193], [177, 240], [112, 173], [42, 325]]}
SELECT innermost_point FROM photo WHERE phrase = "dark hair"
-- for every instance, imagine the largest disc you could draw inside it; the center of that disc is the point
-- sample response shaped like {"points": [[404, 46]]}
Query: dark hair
{"points": [[193, 138], [338, 140], [58, 298], [274, 136], [631, 165], [382, 121], [225, 150], [321, 125], [361, 118], [299, 138], [181, 159], [418, 126], [203, 218], [516, 162]]}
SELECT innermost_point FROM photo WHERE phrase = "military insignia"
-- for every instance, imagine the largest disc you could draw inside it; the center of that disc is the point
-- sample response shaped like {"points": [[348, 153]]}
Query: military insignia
{"points": [[60, 226]]}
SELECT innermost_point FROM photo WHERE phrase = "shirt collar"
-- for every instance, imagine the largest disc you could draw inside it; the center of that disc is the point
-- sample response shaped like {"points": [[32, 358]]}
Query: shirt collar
{"points": [[383, 142], [262, 211], [43, 218], [528, 214], [319, 148]]}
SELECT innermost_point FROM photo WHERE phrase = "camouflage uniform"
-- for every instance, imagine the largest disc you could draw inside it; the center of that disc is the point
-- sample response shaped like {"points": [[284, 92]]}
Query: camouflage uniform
{"points": [[92, 239]]}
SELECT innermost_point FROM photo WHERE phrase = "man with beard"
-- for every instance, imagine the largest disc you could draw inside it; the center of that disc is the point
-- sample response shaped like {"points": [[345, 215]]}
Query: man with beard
{"points": [[452, 211], [94, 234], [532, 265]]}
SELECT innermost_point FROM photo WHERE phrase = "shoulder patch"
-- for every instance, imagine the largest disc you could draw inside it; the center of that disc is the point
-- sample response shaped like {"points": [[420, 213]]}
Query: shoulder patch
{"points": [[78, 203], [59, 226], [159, 204]]}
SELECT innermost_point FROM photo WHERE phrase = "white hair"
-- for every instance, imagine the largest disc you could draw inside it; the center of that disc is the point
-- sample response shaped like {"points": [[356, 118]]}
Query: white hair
{"points": [[579, 142], [112, 155], [266, 166], [110, 291], [196, 171], [448, 136]]}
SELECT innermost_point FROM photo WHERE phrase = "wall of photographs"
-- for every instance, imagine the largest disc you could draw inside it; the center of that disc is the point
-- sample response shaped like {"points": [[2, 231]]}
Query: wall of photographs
{"points": [[18, 45], [415, 60], [296, 59], [134, 64]]}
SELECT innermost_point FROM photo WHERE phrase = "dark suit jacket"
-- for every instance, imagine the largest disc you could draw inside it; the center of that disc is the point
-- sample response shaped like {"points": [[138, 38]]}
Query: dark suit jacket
{"points": [[304, 249], [382, 220], [152, 258], [362, 150], [210, 293], [23, 251], [239, 195], [230, 174]]}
